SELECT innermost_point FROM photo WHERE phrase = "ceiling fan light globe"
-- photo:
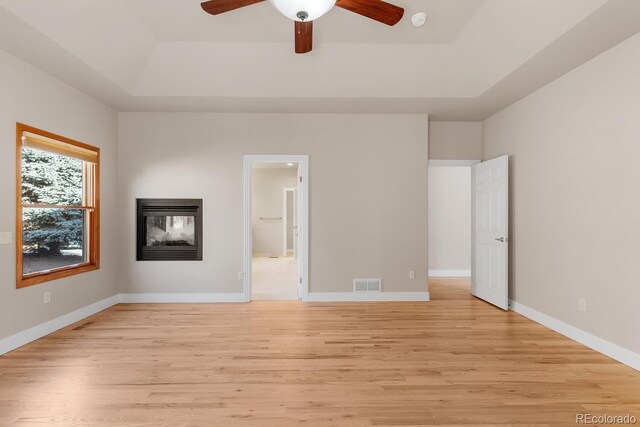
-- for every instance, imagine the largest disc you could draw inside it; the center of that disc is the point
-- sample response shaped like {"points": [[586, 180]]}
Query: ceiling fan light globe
{"points": [[313, 8]]}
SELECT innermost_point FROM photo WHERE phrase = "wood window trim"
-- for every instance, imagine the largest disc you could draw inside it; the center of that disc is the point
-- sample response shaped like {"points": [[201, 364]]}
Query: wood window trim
{"points": [[93, 263]]}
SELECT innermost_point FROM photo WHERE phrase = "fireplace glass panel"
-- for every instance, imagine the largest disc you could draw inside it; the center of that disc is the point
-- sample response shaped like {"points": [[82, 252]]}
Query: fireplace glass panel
{"points": [[170, 231]]}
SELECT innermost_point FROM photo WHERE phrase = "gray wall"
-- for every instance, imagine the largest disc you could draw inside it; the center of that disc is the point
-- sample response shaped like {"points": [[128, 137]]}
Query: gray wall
{"points": [[34, 98], [575, 203], [267, 202], [455, 140], [367, 172], [449, 218]]}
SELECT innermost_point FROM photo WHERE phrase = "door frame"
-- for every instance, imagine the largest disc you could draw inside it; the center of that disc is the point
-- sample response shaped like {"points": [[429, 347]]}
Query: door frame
{"points": [[285, 220], [303, 161]]}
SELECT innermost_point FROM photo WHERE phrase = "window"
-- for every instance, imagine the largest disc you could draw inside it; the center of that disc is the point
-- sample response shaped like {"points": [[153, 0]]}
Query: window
{"points": [[58, 207]]}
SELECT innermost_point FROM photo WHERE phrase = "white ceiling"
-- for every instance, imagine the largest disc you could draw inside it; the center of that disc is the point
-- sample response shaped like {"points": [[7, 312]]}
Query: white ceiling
{"points": [[170, 20], [470, 59]]}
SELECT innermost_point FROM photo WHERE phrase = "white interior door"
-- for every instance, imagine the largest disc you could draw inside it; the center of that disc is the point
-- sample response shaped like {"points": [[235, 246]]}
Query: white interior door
{"points": [[298, 238], [289, 221], [489, 231], [295, 222]]}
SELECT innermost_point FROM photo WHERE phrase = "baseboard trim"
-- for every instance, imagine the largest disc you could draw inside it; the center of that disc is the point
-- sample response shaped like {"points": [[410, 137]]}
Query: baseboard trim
{"points": [[367, 296], [449, 273], [170, 298], [598, 344], [25, 337]]}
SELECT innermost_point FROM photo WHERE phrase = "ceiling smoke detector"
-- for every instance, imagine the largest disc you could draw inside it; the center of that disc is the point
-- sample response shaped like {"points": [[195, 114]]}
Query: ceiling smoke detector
{"points": [[419, 19]]}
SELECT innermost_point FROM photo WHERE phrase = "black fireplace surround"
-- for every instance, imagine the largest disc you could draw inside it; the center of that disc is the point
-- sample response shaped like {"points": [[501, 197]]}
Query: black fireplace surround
{"points": [[169, 230]]}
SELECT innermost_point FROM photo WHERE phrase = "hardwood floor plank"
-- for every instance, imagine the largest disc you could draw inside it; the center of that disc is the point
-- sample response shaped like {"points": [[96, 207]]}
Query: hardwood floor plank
{"points": [[452, 361]]}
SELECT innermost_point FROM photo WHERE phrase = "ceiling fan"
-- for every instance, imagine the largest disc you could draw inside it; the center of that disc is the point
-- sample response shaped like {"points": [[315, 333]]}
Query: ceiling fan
{"points": [[304, 12]]}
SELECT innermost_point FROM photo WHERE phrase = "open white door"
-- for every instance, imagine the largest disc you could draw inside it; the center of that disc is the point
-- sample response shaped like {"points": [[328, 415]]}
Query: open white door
{"points": [[295, 222], [298, 227], [289, 220], [489, 231]]}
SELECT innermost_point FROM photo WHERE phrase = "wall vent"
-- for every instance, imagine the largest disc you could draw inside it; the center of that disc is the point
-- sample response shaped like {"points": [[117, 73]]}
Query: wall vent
{"points": [[367, 285]]}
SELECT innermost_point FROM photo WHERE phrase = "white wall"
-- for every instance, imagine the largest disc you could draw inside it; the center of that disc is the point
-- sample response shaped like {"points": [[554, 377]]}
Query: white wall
{"points": [[449, 220], [34, 98], [267, 202], [455, 140], [366, 172], [575, 203]]}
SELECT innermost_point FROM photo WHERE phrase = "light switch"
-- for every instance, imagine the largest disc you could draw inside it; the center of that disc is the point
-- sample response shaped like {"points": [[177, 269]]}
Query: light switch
{"points": [[6, 238]]}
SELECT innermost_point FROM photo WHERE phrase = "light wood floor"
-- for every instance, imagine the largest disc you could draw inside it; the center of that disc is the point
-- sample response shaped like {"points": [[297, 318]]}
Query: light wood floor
{"points": [[455, 360], [274, 278]]}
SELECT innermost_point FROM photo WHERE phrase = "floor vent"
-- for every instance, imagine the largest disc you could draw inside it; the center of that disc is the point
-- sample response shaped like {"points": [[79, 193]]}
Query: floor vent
{"points": [[367, 285]]}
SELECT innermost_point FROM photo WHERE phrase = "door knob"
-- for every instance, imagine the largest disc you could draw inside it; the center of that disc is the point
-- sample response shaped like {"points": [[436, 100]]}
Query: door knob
{"points": [[500, 239]]}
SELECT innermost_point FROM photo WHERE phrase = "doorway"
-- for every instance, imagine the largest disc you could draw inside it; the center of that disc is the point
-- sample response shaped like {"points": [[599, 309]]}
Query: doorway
{"points": [[275, 224], [449, 227], [468, 226]]}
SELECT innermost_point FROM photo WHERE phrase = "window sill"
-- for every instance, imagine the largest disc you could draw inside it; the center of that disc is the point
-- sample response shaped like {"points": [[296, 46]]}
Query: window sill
{"points": [[36, 278]]}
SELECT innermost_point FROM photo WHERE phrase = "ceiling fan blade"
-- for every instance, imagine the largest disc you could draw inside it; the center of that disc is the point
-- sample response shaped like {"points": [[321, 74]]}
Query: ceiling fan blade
{"points": [[377, 10], [216, 7], [304, 36]]}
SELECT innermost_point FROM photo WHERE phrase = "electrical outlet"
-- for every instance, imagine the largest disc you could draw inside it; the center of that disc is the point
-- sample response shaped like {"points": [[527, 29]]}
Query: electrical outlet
{"points": [[6, 238], [47, 297], [412, 275], [240, 275], [582, 304]]}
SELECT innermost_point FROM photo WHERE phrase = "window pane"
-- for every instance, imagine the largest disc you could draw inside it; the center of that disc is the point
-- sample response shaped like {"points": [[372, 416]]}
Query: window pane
{"points": [[170, 231], [51, 179], [53, 238]]}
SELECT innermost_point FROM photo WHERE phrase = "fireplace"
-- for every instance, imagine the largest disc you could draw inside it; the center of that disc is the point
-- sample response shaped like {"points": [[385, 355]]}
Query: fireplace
{"points": [[169, 230]]}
